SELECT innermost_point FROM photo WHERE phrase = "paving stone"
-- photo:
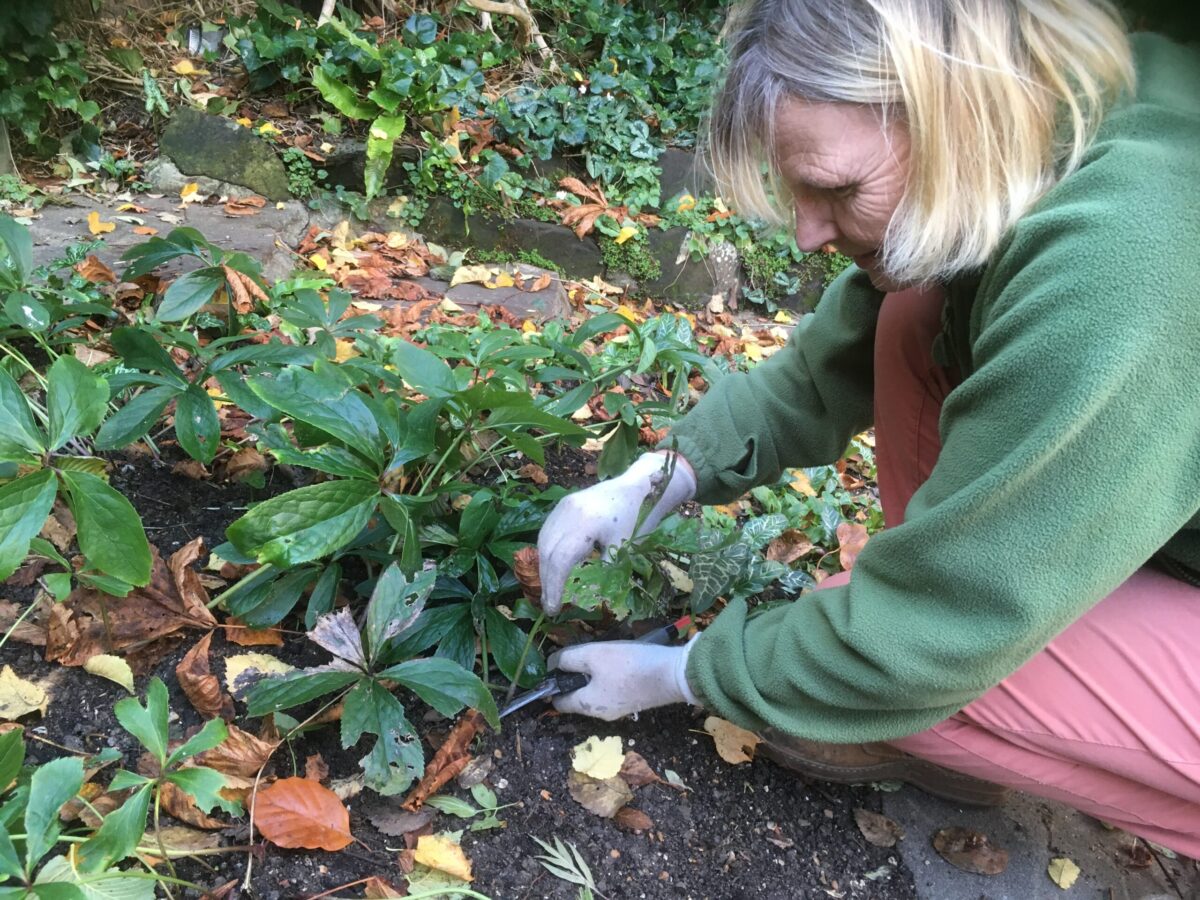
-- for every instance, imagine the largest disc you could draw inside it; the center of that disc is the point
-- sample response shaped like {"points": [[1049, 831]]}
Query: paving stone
{"points": [[202, 144], [683, 171], [549, 303], [687, 281]]}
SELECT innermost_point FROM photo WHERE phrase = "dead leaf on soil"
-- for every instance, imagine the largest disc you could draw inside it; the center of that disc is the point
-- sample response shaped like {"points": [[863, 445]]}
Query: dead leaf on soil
{"points": [[1063, 872], [97, 227], [33, 629], [789, 546], [240, 755], [390, 819], [852, 537], [181, 838], [378, 889], [245, 636], [475, 772], [347, 788], [19, 697], [878, 829], [59, 528], [534, 473], [244, 206], [95, 271], [200, 685], [634, 820], [316, 769], [296, 812], [597, 757], [970, 850], [190, 468], [603, 797], [450, 759], [177, 802], [439, 852], [111, 667], [636, 771], [526, 569], [734, 745], [244, 463]]}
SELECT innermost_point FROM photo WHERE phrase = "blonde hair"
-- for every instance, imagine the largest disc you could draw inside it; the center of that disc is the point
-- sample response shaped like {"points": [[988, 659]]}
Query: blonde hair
{"points": [[1001, 99]]}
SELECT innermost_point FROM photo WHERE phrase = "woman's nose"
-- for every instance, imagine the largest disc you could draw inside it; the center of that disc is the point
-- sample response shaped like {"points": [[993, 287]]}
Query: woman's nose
{"points": [[814, 226]]}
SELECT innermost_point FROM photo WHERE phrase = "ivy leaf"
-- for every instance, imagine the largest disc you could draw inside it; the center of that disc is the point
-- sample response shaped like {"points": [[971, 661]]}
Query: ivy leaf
{"points": [[713, 573], [110, 531]]}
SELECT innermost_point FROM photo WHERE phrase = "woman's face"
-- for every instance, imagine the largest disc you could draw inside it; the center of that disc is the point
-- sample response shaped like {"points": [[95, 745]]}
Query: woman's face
{"points": [[846, 175]]}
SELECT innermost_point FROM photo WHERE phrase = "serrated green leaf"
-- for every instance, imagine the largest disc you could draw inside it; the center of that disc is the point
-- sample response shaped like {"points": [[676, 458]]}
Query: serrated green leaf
{"points": [[24, 506], [52, 785], [188, 293], [110, 531], [204, 786], [58, 881], [76, 400], [446, 686], [424, 371], [117, 836], [135, 418], [212, 735], [196, 424], [395, 604], [147, 723], [305, 524]]}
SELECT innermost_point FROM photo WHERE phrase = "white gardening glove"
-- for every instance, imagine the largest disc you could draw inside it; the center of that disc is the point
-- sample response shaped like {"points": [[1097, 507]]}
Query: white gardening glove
{"points": [[626, 677], [603, 516]]}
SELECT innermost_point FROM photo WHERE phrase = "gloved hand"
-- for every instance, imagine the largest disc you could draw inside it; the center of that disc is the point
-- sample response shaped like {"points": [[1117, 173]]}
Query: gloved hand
{"points": [[603, 516], [626, 677]]}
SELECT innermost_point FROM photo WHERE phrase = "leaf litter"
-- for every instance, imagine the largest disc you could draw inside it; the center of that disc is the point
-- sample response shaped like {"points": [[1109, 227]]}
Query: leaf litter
{"points": [[970, 850]]}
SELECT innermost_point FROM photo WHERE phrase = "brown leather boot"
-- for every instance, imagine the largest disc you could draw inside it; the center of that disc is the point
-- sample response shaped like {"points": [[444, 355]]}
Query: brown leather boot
{"points": [[862, 763]]}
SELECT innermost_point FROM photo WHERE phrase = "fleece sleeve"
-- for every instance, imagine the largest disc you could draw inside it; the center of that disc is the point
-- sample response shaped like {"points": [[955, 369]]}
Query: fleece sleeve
{"points": [[1070, 455], [798, 408]]}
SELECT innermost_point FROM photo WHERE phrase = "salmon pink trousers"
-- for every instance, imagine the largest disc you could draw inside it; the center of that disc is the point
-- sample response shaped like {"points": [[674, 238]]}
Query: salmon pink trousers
{"points": [[1107, 717]]}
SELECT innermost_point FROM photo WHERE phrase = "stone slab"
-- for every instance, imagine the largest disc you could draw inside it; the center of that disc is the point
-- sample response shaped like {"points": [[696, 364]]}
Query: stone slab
{"points": [[202, 144], [1034, 831], [683, 172], [347, 163], [548, 303], [687, 281]]}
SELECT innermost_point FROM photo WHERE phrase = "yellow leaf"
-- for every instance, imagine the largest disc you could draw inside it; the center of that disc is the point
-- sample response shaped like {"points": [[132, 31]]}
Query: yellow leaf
{"points": [[627, 313], [217, 394], [19, 697], [95, 226], [528, 327], [686, 202], [244, 122], [345, 350], [473, 275], [439, 852], [783, 317], [318, 261], [261, 663], [452, 120], [451, 144], [734, 745], [189, 190], [111, 667], [800, 483], [626, 232], [1063, 872], [185, 67], [268, 128], [598, 757], [449, 306], [501, 280], [753, 352]]}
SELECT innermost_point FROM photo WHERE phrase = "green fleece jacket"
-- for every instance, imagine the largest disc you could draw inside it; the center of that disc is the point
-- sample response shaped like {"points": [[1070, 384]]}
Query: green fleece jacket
{"points": [[1070, 457]]}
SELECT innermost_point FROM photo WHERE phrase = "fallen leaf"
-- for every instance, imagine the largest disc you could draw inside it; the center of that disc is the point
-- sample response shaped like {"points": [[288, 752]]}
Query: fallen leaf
{"points": [[245, 636], [190, 192], [390, 819], [634, 820], [316, 769], [347, 788], [878, 829], [96, 227], [450, 759], [686, 202], [603, 797], [534, 473], [19, 697], [538, 284], [183, 838], [145, 230], [1063, 872], [970, 851], [852, 537], [89, 356], [111, 667], [95, 271], [789, 546], [296, 812], [179, 804], [674, 780], [734, 745], [439, 852], [240, 755], [637, 772], [32, 630], [245, 462], [186, 67], [190, 468], [378, 889], [525, 568], [598, 757], [244, 206], [202, 688], [247, 669], [626, 232]]}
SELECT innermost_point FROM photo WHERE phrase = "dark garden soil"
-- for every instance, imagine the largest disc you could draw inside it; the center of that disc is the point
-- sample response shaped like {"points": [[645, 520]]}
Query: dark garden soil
{"points": [[749, 831]]}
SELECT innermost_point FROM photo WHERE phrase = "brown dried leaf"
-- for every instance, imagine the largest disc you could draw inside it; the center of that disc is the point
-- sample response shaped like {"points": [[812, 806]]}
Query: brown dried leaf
{"points": [[244, 206], [245, 462], [296, 812], [789, 546], [525, 567], [33, 629], [240, 755], [95, 271], [200, 685], [636, 771], [634, 820], [734, 745], [878, 829], [316, 769], [534, 473], [390, 819], [59, 528], [450, 759], [852, 537], [575, 186], [177, 802], [245, 636], [970, 850], [602, 797], [378, 889], [190, 468], [242, 301]]}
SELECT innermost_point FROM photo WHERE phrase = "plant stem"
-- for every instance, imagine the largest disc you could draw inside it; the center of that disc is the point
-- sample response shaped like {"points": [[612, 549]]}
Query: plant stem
{"points": [[13, 627], [512, 688], [158, 837], [245, 581]]}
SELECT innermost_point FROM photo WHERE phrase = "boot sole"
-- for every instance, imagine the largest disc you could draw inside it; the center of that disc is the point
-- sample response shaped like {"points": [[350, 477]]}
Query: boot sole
{"points": [[930, 778]]}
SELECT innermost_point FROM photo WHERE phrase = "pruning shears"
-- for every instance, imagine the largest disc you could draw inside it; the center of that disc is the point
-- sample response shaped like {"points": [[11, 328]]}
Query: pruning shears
{"points": [[558, 682]]}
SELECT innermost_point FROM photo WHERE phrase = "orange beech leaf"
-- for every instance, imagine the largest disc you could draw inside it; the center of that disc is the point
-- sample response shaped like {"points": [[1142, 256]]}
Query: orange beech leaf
{"points": [[451, 758], [202, 687], [240, 755], [525, 567], [245, 636], [852, 537], [95, 271], [242, 301], [296, 812]]}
